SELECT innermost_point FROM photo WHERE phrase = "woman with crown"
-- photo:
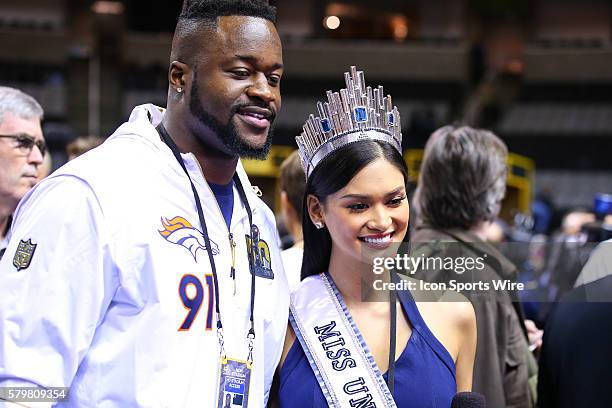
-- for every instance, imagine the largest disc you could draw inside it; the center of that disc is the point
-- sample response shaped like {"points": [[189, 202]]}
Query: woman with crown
{"points": [[347, 328]]}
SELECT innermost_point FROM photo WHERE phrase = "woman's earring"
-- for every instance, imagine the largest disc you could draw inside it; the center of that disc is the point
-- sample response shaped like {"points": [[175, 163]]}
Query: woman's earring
{"points": [[319, 225], [179, 89]]}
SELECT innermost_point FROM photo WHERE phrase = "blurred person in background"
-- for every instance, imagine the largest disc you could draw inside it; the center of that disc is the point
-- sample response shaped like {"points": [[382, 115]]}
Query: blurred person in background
{"points": [[22, 151], [81, 145], [551, 265], [495, 232], [461, 186], [600, 265], [543, 211], [292, 184], [573, 221], [576, 354], [567, 254]]}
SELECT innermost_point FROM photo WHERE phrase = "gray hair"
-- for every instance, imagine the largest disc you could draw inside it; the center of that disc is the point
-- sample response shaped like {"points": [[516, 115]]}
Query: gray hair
{"points": [[463, 178], [19, 104]]}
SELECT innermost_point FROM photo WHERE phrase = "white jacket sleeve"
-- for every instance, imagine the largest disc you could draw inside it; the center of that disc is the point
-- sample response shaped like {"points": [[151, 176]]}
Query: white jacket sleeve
{"points": [[50, 308]]}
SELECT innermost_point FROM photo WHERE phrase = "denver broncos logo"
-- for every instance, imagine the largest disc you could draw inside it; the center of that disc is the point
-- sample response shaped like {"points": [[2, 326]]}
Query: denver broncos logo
{"points": [[179, 231]]}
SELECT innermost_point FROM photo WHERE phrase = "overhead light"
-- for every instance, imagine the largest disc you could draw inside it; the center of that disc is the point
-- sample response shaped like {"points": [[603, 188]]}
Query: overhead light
{"points": [[515, 67], [331, 22], [107, 7], [400, 27]]}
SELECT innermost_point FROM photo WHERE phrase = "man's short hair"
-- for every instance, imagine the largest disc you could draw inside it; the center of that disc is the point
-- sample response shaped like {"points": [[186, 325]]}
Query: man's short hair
{"points": [[463, 178], [19, 104], [211, 10], [293, 181], [200, 14]]}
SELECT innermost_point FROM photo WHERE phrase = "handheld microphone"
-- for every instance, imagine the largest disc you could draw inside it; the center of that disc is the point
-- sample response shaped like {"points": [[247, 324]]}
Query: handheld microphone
{"points": [[469, 400]]}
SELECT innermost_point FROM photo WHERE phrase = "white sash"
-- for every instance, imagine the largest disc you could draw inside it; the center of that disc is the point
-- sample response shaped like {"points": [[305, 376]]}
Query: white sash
{"points": [[336, 351]]}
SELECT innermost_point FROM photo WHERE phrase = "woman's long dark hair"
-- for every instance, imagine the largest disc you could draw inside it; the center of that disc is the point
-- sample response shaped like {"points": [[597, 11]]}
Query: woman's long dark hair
{"points": [[331, 175]]}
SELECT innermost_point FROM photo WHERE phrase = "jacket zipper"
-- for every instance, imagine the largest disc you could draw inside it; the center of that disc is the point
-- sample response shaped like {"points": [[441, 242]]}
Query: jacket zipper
{"points": [[230, 236]]}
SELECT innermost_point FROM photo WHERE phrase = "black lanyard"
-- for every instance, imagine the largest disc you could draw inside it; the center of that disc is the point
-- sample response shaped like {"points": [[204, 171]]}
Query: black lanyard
{"points": [[392, 334], [254, 241]]}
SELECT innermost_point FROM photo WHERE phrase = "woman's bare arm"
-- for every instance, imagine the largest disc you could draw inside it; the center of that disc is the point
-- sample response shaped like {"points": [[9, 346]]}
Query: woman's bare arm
{"points": [[466, 321]]}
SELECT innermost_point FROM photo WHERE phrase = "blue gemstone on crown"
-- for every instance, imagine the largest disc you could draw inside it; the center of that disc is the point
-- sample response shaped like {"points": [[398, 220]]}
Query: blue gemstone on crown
{"points": [[325, 125], [361, 115], [391, 118]]}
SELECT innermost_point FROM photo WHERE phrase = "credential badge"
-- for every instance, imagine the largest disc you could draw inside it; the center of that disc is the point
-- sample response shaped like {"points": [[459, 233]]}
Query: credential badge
{"points": [[23, 255]]}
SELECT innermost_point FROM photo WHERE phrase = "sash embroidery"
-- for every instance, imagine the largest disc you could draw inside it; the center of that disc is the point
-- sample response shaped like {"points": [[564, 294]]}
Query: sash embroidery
{"points": [[336, 351]]}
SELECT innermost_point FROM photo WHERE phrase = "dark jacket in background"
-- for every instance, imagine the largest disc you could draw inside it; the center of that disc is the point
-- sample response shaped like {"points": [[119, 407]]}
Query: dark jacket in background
{"points": [[502, 357], [576, 357]]}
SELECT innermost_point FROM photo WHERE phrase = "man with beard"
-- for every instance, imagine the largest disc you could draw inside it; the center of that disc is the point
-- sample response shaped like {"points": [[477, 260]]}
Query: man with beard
{"points": [[147, 271]]}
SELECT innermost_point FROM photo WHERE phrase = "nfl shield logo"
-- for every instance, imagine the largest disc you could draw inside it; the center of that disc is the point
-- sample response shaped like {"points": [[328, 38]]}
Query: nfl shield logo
{"points": [[23, 255]]}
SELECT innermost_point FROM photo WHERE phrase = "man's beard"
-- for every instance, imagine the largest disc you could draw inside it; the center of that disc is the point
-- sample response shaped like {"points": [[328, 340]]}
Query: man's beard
{"points": [[227, 133]]}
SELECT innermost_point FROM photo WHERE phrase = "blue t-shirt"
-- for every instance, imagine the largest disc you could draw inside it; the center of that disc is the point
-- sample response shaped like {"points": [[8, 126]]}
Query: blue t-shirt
{"points": [[424, 373], [225, 198]]}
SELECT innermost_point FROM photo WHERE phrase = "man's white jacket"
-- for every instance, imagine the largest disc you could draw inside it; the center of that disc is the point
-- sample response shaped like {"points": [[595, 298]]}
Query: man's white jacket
{"points": [[94, 289]]}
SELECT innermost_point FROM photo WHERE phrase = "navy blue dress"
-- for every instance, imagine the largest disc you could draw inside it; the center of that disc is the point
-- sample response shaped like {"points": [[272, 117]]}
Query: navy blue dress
{"points": [[424, 373]]}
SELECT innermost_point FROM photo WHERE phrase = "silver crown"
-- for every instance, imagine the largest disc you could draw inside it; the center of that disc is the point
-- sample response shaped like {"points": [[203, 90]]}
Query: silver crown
{"points": [[355, 113]]}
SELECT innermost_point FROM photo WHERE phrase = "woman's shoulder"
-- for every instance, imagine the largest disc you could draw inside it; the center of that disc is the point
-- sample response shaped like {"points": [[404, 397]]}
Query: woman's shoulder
{"points": [[457, 305], [453, 308]]}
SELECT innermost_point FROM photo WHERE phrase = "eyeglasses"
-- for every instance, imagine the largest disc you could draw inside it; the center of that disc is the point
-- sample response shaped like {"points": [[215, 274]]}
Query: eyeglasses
{"points": [[26, 143]]}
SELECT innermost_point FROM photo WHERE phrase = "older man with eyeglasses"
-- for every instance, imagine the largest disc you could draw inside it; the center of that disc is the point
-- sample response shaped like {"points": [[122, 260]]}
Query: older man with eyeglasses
{"points": [[22, 149]]}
